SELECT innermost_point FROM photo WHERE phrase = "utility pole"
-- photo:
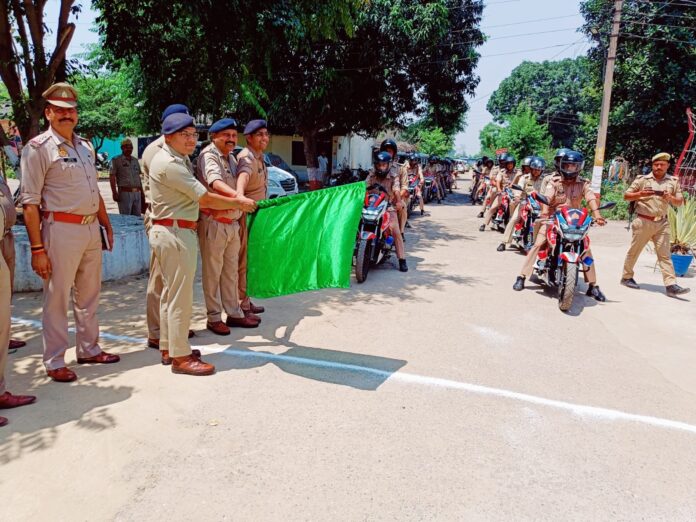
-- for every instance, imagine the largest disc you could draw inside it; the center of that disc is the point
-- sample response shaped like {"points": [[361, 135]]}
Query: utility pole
{"points": [[606, 100]]}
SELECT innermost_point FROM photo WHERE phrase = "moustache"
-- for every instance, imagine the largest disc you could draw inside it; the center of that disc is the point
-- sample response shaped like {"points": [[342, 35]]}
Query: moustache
{"points": [[65, 119], [230, 143]]}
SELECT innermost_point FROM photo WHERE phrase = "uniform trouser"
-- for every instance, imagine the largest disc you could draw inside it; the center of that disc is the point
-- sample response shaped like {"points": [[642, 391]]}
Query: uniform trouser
{"points": [[177, 255], [7, 245], [396, 234], [154, 289], [130, 203], [75, 252], [220, 258], [5, 298], [645, 231], [242, 273], [495, 203], [403, 214], [440, 184], [491, 196], [514, 217], [539, 243]]}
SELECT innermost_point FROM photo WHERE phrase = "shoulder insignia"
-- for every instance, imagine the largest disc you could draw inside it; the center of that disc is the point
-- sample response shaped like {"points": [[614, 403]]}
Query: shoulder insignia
{"points": [[39, 140]]}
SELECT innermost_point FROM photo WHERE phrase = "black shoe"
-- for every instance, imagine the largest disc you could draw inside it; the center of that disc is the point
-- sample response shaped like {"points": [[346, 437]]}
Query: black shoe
{"points": [[403, 237], [480, 214], [519, 284], [439, 202], [408, 225], [675, 290], [482, 228], [630, 283], [402, 265], [501, 247], [422, 212], [594, 292]]}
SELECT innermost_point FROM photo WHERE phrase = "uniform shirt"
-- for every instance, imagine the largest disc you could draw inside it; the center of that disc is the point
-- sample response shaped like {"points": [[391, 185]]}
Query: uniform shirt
{"points": [[529, 184], [126, 171], [390, 182], [430, 170], [407, 172], [252, 164], [175, 191], [148, 155], [561, 192], [654, 206], [7, 207], [212, 166], [505, 177], [60, 177]]}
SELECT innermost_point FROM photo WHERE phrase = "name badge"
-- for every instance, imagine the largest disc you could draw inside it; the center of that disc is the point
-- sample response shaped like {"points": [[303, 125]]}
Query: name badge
{"points": [[69, 160]]}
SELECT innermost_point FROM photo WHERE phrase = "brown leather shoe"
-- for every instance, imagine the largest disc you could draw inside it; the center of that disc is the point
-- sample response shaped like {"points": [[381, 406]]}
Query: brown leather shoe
{"points": [[251, 315], [62, 374], [218, 328], [166, 360], [191, 333], [241, 322], [3, 421], [14, 344], [256, 309], [101, 358], [7, 400], [191, 365]]}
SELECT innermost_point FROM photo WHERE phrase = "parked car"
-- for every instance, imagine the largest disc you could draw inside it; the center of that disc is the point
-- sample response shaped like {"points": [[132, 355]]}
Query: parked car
{"points": [[280, 182], [277, 161]]}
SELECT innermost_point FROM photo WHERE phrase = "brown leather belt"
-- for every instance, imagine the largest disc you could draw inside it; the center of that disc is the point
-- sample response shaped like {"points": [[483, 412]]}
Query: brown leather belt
{"points": [[181, 223], [650, 218], [75, 219], [130, 189]]}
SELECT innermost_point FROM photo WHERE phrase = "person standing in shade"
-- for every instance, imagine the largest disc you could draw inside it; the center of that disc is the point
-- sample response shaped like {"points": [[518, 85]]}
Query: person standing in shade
{"points": [[126, 185], [653, 194], [323, 162], [177, 198], [218, 231], [252, 182], [63, 211]]}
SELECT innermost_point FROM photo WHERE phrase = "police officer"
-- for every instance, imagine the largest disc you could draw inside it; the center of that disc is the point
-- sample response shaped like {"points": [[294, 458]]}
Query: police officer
{"points": [[653, 194], [7, 208], [413, 168], [218, 231], [565, 189], [390, 146], [7, 400], [432, 172], [505, 177], [176, 200], [124, 177], [63, 211], [155, 285], [382, 174], [252, 182]]}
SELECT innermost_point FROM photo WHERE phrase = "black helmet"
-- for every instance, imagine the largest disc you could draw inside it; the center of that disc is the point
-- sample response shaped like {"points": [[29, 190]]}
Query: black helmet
{"points": [[489, 161], [412, 157], [507, 158], [382, 157], [557, 157], [537, 163], [571, 164], [389, 144], [433, 158], [484, 159]]}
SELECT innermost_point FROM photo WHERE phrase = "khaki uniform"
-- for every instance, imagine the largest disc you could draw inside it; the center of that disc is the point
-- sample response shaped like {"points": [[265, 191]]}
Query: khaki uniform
{"points": [[560, 193], [219, 239], [154, 283], [392, 185], [5, 299], [256, 189], [7, 208], [656, 230], [505, 179], [60, 177], [175, 193], [403, 181], [529, 185], [127, 174]]}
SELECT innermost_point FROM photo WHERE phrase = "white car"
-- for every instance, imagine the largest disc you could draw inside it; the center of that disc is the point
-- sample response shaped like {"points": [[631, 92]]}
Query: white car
{"points": [[280, 182]]}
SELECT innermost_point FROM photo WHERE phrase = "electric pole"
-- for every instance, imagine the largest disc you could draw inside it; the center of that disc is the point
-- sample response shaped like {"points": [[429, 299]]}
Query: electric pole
{"points": [[606, 100]]}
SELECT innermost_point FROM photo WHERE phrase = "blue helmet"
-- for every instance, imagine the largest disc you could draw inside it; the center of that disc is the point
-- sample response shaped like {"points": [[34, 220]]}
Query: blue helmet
{"points": [[557, 157], [537, 163], [382, 157], [571, 163]]}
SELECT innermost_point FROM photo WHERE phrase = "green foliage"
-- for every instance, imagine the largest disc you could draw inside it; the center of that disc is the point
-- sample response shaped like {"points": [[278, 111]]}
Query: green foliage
{"points": [[521, 134], [655, 76], [615, 192], [435, 141], [553, 90], [682, 225]]}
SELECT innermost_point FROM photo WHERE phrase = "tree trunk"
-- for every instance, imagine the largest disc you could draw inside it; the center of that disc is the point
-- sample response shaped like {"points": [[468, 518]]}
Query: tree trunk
{"points": [[309, 139]]}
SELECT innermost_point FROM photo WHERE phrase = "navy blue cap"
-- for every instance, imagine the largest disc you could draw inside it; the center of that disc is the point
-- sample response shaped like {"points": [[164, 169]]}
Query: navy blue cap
{"points": [[174, 109], [176, 122], [255, 125], [223, 124]]}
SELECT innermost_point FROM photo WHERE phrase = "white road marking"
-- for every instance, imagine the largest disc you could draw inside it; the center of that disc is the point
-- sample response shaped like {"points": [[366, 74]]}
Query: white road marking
{"points": [[580, 410]]}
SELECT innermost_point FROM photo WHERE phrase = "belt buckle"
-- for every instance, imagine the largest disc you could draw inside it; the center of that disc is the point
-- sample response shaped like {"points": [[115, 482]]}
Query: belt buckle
{"points": [[88, 220]]}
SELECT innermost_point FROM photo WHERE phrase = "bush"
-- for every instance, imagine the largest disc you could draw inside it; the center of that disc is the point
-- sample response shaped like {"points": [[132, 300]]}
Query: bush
{"points": [[614, 192]]}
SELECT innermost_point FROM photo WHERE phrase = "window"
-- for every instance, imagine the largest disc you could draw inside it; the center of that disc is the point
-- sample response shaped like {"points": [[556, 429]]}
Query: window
{"points": [[298, 157]]}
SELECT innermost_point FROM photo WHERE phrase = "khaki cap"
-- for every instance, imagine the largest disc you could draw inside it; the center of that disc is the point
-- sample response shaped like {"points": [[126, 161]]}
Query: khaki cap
{"points": [[662, 156], [61, 95]]}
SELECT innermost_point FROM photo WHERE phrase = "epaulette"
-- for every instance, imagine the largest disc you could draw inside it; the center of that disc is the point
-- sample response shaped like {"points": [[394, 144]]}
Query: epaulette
{"points": [[39, 140]]}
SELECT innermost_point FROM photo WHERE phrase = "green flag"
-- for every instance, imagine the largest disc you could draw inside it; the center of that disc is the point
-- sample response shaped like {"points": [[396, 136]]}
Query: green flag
{"points": [[303, 242]]}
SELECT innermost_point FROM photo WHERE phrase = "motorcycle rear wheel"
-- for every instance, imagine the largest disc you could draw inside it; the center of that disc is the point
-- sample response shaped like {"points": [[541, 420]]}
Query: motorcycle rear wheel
{"points": [[566, 290], [363, 260]]}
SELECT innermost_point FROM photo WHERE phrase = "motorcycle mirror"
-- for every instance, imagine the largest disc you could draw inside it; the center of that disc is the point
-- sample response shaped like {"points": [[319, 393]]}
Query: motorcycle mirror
{"points": [[516, 187], [542, 199], [608, 204]]}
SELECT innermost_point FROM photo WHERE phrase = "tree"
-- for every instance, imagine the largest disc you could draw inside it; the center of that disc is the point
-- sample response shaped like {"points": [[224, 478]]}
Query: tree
{"points": [[654, 80], [553, 90], [28, 69], [522, 135], [435, 141]]}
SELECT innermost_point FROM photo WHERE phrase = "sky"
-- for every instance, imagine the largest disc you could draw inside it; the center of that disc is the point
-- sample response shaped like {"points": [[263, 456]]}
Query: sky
{"points": [[518, 30]]}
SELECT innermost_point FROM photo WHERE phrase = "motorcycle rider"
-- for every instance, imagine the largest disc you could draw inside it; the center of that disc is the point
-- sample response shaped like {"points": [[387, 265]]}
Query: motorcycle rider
{"points": [[476, 177], [390, 146], [431, 171], [530, 182], [504, 178], [488, 167], [382, 174], [565, 189], [413, 168]]}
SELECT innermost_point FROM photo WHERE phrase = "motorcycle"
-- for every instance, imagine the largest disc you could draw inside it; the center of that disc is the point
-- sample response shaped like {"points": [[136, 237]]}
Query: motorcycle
{"points": [[429, 189], [530, 210], [101, 161], [412, 186], [566, 256], [342, 177], [374, 242], [502, 216], [482, 191]]}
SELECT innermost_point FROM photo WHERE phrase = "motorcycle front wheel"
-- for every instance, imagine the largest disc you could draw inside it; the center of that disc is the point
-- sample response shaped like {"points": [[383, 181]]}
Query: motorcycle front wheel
{"points": [[363, 259], [566, 290]]}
